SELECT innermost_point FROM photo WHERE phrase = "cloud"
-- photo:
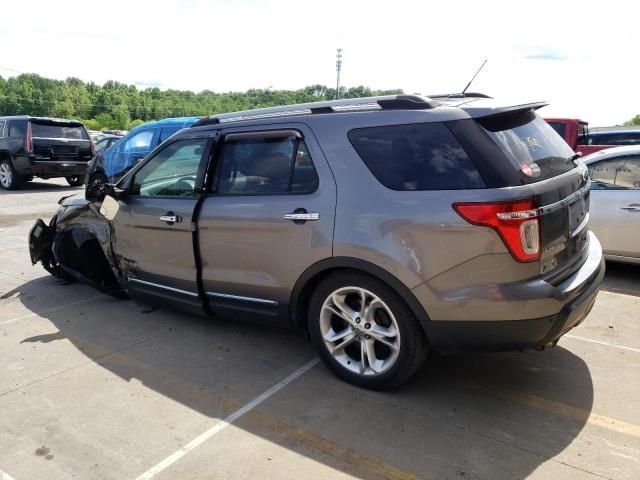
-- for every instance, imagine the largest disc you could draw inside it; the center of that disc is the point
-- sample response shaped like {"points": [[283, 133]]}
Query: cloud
{"points": [[547, 55]]}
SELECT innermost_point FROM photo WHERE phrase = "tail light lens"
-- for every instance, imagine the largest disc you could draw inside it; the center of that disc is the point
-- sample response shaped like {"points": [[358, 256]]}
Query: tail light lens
{"points": [[28, 139], [517, 223]]}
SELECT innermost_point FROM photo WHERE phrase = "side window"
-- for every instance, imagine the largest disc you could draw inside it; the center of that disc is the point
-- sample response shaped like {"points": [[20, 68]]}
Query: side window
{"points": [[141, 140], [17, 128], [166, 132], [628, 177], [172, 172], [422, 156], [2, 122], [603, 174], [266, 166]]}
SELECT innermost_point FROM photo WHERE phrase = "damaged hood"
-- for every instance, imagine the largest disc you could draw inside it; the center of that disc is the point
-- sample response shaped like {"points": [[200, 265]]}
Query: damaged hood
{"points": [[73, 200]]}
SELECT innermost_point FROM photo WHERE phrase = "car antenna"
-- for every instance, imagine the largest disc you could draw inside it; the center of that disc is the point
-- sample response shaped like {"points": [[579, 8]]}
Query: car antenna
{"points": [[474, 76]]}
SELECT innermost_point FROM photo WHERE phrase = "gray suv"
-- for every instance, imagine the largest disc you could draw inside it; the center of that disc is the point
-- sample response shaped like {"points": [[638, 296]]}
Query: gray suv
{"points": [[382, 227]]}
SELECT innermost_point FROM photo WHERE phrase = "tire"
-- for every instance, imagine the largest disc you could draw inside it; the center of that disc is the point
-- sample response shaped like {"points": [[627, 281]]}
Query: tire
{"points": [[389, 331], [9, 178], [75, 180], [96, 179]]}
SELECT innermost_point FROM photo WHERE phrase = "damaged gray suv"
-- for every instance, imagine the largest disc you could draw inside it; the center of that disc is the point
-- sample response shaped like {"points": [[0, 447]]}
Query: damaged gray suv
{"points": [[382, 227]]}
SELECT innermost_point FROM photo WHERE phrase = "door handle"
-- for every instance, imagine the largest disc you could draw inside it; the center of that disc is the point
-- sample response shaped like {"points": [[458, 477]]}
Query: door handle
{"points": [[170, 218], [302, 217], [633, 207]]}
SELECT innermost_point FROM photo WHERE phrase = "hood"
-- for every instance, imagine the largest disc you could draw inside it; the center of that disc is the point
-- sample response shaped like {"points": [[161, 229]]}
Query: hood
{"points": [[73, 200]]}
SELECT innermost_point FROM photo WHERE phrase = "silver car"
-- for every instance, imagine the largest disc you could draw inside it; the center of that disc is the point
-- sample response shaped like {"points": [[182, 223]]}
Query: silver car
{"points": [[381, 227], [615, 201]]}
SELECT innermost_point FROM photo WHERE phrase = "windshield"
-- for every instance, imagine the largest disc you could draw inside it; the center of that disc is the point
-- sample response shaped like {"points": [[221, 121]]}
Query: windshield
{"points": [[47, 130], [530, 144]]}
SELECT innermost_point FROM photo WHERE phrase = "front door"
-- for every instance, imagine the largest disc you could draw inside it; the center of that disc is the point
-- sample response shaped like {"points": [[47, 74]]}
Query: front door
{"points": [[268, 217], [153, 227], [615, 205]]}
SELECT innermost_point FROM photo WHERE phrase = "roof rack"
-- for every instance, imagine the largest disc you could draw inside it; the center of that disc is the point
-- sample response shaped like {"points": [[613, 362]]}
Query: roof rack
{"points": [[388, 102]]}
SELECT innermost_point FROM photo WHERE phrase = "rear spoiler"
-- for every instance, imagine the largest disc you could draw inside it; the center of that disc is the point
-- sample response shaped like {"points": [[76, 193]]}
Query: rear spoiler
{"points": [[56, 121], [482, 108]]}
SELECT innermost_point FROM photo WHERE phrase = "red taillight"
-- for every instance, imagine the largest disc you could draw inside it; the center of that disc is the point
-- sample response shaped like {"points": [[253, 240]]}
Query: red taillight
{"points": [[28, 139], [517, 223]]}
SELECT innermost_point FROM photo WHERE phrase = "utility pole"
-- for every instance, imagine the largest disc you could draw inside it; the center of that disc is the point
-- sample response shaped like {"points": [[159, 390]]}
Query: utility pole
{"points": [[338, 68]]}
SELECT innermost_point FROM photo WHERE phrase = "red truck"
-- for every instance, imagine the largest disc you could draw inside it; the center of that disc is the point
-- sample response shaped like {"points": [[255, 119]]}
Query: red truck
{"points": [[576, 133]]}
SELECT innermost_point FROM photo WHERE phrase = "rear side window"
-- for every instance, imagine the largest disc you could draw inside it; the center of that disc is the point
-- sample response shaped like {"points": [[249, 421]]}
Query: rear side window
{"points": [[266, 166], [17, 128], [47, 130], [531, 145], [622, 138], [421, 156], [2, 128]]}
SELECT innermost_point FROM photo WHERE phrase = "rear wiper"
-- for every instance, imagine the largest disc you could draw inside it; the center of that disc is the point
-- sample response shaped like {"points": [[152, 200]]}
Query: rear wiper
{"points": [[575, 157]]}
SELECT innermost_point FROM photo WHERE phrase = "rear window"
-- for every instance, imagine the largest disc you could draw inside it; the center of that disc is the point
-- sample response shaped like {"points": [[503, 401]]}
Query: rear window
{"points": [[421, 156], [531, 145], [47, 130], [559, 127]]}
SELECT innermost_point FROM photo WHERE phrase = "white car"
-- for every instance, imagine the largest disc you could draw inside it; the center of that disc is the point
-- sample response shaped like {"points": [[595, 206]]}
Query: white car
{"points": [[615, 201]]}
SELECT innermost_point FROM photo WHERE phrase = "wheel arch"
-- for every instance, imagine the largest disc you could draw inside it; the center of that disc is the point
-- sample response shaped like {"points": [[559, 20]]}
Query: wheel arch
{"points": [[307, 282]]}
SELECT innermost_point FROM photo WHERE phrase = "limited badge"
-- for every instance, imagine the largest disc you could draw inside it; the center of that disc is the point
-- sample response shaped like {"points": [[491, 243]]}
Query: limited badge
{"points": [[530, 169]]}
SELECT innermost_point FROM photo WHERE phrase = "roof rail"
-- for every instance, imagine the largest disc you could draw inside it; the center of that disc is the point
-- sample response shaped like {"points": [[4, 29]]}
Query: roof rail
{"points": [[388, 102], [460, 95]]}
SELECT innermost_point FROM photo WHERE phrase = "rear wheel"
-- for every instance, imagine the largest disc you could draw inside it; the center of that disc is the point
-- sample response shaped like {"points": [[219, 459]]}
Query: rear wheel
{"points": [[74, 180], [9, 178], [364, 332]]}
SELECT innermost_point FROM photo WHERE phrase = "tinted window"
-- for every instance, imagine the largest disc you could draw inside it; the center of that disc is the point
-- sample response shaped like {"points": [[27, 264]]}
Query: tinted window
{"points": [[622, 138], [1, 128], [47, 130], [421, 156], [166, 132], [583, 134], [603, 174], [172, 172], [140, 140], [17, 128], [264, 166], [532, 147], [628, 176]]}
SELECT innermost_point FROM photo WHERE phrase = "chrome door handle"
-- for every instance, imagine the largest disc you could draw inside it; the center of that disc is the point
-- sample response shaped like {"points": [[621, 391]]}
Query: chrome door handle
{"points": [[301, 217], [170, 218]]}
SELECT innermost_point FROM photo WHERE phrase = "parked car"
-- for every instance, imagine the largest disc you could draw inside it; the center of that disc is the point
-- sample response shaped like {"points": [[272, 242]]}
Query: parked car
{"points": [[615, 137], [576, 133], [383, 227], [106, 141], [615, 206], [43, 147], [111, 164]]}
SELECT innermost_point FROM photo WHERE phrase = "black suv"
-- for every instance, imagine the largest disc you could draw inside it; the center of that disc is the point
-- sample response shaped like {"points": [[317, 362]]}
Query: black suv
{"points": [[43, 147]]}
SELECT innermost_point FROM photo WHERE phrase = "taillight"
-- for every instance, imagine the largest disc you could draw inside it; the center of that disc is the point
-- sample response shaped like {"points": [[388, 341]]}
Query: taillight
{"points": [[517, 223], [28, 139]]}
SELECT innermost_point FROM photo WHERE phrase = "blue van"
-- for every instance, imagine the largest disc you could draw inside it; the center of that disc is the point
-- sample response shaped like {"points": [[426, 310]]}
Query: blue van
{"points": [[111, 164]]}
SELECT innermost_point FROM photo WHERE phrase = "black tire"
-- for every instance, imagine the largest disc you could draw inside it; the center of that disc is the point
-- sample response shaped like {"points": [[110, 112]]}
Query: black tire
{"points": [[9, 178], [96, 179], [75, 180], [413, 346]]}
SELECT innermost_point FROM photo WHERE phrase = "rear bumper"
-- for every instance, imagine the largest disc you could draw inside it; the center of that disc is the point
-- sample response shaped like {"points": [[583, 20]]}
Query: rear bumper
{"points": [[574, 298], [50, 168]]}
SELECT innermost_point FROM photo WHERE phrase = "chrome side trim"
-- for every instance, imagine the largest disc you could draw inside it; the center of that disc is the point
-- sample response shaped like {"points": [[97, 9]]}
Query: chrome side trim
{"points": [[581, 227], [565, 201], [163, 287], [243, 299]]}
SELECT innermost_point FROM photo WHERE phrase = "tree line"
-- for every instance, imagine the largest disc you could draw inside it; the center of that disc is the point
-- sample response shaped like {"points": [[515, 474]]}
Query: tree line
{"points": [[116, 105]]}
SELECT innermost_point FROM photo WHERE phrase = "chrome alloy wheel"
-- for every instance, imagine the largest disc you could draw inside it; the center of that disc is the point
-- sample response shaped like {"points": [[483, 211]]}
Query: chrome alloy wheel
{"points": [[5, 175], [359, 331]]}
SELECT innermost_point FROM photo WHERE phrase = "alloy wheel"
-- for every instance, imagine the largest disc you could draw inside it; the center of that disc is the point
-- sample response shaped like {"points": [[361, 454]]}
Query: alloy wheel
{"points": [[5, 175], [360, 331]]}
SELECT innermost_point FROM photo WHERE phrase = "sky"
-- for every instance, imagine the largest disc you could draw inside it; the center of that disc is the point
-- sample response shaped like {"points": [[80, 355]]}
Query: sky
{"points": [[575, 54]]}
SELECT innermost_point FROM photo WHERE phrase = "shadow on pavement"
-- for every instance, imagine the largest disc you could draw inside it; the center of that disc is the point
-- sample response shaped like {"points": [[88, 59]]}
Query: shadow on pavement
{"points": [[42, 186], [622, 278], [476, 416]]}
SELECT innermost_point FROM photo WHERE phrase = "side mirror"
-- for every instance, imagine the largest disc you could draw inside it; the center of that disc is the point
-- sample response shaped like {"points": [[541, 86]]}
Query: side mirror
{"points": [[97, 192]]}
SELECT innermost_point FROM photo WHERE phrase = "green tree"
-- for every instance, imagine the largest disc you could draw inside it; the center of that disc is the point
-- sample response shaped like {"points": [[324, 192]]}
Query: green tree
{"points": [[634, 121]]}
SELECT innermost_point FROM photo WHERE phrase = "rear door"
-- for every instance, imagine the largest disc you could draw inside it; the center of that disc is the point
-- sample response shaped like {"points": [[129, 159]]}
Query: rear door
{"points": [[615, 205], [153, 227], [268, 217]]}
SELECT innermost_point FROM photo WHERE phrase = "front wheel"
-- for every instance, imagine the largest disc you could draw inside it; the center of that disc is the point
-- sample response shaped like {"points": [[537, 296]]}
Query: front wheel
{"points": [[75, 180], [364, 332], [9, 178]]}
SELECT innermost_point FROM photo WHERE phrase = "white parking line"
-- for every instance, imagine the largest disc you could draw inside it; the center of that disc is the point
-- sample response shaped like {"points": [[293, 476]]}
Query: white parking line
{"points": [[203, 437], [5, 476], [600, 342], [52, 309]]}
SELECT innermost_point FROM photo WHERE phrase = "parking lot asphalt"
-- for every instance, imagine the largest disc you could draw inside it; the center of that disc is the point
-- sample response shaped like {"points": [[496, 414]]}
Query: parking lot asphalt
{"points": [[92, 387]]}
